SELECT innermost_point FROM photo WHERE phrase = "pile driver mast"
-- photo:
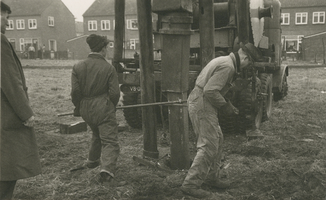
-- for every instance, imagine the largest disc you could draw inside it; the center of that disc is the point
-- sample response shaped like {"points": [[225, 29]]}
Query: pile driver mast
{"points": [[197, 29]]}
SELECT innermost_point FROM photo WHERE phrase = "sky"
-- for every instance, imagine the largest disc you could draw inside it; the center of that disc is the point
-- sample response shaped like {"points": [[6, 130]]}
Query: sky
{"points": [[78, 7]]}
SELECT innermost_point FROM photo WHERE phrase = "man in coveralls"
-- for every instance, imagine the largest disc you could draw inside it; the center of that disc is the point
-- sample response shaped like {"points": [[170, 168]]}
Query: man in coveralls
{"points": [[205, 100], [95, 94]]}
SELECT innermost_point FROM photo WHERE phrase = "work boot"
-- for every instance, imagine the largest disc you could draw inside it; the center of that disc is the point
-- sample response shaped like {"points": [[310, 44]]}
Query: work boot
{"points": [[101, 178], [254, 134], [105, 177], [195, 192], [86, 165], [217, 184], [107, 180]]}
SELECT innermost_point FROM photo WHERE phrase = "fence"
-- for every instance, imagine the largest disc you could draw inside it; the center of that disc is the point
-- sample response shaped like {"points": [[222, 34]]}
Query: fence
{"points": [[57, 55]]}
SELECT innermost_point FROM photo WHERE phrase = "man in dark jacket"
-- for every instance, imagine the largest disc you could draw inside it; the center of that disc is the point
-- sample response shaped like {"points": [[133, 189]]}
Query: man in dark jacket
{"points": [[19, 152], [95, 94]]}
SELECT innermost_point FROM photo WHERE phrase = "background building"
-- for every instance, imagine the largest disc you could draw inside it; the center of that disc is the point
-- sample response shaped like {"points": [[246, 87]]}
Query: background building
{"points": [[302, 18], [99, 19], [44, 24]]}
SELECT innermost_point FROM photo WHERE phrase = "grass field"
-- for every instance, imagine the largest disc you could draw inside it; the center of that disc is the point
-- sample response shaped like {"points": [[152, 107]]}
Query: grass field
{"points": [[288, 164]]}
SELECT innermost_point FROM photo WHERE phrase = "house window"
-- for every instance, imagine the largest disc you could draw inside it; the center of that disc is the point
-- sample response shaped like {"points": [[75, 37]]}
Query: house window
{"points": [[52, 45], [20, 24], [133, 43], [25, 43], [92, 25], [105, 24], [113, 24], [132, 24], [32, 24], [51, 21], [10, 25], [22, 44], [318, 17], [285, 18], [301, 18], [291, 45]]}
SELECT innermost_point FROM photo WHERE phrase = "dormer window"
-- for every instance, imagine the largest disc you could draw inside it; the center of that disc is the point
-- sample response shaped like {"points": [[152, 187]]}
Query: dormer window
{"points": [[51, 21], [285, 18], [92, 25], [105, 25], [318, 18], [132, 24], [20, 24], [301, 18], [32, 24], [10, 25]]}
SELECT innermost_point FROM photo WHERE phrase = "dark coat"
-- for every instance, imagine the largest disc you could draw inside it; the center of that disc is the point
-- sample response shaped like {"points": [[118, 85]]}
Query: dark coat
{"points": [[95, 81], [19, 152]]}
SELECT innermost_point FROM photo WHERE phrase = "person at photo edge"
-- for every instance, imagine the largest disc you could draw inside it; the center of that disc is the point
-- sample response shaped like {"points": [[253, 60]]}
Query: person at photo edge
{"points": [[95, 93], [19, 156]]}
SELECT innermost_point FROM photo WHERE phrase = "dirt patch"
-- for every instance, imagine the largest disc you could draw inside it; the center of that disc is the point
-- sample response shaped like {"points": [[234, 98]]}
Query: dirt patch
{"points": [[289, 163]]}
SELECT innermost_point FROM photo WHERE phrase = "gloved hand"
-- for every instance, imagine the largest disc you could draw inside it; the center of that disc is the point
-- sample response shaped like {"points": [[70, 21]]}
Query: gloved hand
{"points": [[229, 109]]}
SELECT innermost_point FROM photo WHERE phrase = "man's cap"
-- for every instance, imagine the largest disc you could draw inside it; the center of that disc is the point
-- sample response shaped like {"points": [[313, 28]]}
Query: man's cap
{"points": [[5, 7], [252, 51], [96, 42]]}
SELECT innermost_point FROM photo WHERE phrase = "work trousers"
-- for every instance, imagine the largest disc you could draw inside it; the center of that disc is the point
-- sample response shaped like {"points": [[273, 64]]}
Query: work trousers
{"points": [[7, 189], [204, 120], [104, 143]]}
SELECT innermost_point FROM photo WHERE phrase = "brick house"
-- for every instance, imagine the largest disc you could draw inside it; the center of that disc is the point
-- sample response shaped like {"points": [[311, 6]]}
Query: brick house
{"points": [[99, 19], [38, 23], [301, 18]]}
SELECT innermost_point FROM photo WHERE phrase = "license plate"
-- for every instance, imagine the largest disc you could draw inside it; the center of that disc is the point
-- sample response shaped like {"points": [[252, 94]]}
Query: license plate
{"points": [[134, 88]]}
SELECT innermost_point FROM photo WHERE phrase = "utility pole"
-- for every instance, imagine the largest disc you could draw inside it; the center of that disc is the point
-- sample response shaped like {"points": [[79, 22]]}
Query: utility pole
{"points": [[147, 80], [119, 12]]}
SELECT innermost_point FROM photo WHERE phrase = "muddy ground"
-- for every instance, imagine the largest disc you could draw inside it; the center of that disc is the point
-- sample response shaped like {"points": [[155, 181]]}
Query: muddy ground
{"points": [[289, 163]]}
